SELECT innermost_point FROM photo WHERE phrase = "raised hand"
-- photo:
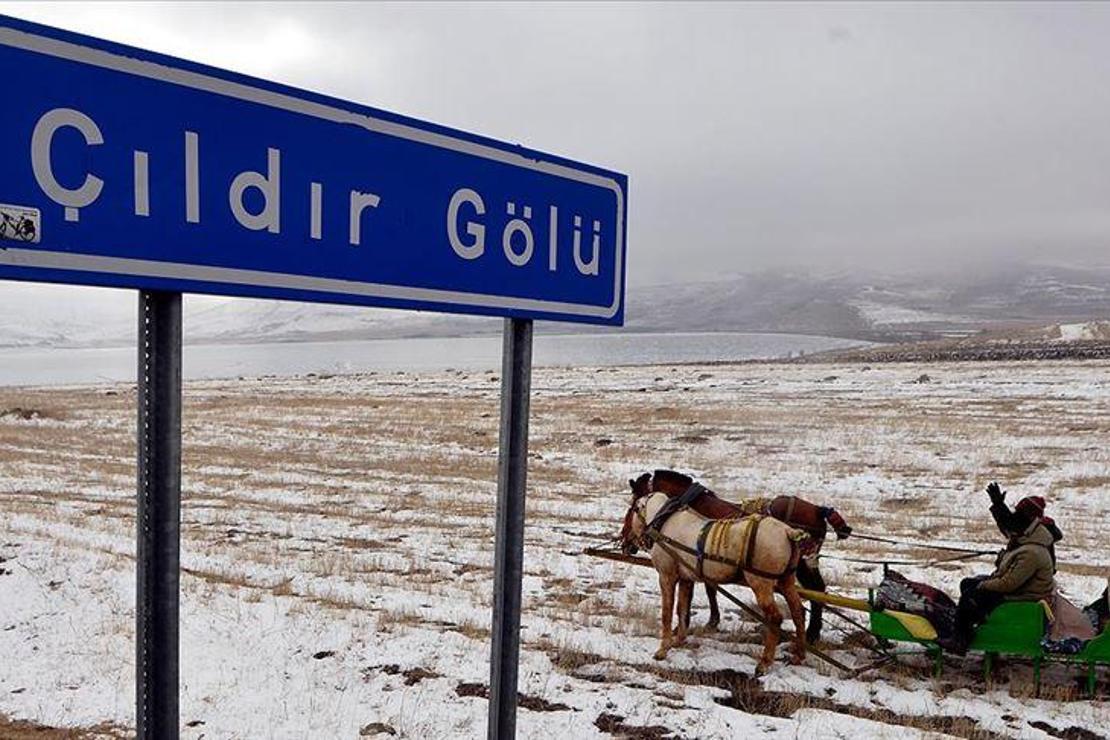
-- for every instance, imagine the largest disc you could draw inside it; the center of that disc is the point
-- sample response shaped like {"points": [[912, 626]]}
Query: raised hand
{"points": [[997, 495]]}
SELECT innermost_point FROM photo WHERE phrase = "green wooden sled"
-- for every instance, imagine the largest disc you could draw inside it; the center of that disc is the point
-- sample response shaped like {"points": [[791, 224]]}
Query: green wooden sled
{"points": [[1095, 653], [1014, 628], [886, 627]]}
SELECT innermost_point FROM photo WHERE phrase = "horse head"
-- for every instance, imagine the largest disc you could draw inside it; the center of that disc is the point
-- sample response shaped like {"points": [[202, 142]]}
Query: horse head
{"points": [[670, 482], [632, 531]]}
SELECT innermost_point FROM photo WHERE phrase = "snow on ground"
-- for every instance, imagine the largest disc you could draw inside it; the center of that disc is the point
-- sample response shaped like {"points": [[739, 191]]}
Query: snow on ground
{"points": [[338, 547], [1086, 331]]}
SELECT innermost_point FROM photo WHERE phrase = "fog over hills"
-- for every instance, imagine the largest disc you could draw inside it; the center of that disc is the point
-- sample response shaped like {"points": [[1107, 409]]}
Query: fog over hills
{"points": [[883, 307], [873, 171], [849, 303]]}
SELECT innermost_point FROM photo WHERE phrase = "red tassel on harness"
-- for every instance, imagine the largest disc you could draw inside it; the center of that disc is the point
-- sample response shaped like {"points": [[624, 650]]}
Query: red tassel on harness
{"points": [[838, 524]]}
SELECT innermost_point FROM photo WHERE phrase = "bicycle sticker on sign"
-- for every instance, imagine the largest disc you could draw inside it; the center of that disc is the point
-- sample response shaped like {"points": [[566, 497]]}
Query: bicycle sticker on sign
{"points": [[19, 224]]}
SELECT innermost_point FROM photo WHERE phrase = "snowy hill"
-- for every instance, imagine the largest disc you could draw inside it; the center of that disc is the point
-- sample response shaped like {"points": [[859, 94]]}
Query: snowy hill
{"points": [[891, 307], [61, 316]]}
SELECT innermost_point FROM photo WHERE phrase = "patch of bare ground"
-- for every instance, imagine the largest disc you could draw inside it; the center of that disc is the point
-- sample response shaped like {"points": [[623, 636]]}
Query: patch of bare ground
{"points": [[288, 509], [1067, 733], [614, 724], [28, 413], [363, 543], [17, 729], [233, 579], [905, 505], [1084, 569], [412, 676], [471, 629], [563, 591], [1086, 481], [746, 694], [524, 701], [976, 348]]}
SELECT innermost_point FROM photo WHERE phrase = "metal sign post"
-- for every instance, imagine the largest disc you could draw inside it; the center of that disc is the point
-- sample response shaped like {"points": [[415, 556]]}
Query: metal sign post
{"points": [[159, 516], [508, 562]]}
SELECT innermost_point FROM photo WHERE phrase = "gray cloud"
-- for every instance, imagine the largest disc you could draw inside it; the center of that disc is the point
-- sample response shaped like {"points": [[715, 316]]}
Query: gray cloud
{"points": [[754, 135]]}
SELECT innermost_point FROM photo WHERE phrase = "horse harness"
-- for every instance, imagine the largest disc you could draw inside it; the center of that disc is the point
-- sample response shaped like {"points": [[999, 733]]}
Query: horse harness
{"points": [[783, 509], [714, 532]]}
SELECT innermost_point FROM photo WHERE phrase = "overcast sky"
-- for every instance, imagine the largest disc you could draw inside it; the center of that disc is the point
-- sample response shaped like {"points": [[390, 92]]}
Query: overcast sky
{"points": [[753, 135]]}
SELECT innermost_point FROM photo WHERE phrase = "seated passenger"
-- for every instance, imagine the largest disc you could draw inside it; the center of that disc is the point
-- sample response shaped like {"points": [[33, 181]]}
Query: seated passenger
{"points": [[1007, 524], [1024, 573]]}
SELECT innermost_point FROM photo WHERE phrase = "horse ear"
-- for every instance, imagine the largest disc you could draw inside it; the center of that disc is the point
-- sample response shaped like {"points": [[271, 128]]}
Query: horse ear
{"points": [[632, 484]]}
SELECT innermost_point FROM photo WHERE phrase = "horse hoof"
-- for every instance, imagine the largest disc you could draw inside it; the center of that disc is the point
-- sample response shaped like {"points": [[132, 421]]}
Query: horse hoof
{"points": [[712, 627], [659, 655], [761, 670], [679, 642], [797, 659]]}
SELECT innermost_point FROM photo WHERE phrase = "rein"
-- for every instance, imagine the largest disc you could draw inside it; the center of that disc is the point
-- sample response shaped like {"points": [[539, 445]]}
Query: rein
{"points": [[923, 546], [922, 563]]}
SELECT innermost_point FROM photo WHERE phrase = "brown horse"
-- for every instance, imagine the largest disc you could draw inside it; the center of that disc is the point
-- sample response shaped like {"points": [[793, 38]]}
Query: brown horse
{"points": [[800, 514], [687, 548]]}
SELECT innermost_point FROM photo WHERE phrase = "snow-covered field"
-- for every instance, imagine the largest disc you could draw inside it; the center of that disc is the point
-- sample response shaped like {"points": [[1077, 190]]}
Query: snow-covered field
{"points": [[338, 547]]}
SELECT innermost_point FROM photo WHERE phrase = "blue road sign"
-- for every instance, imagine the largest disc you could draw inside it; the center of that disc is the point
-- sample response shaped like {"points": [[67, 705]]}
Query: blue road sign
{"points": [[126, 168]]}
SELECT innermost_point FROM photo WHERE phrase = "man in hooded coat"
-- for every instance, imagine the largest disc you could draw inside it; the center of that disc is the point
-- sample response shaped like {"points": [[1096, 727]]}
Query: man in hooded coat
{"points": [[1005, 518], [1024, 572]]}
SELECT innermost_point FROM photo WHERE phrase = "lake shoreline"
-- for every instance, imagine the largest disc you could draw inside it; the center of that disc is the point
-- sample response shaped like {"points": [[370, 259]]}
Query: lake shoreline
{"points": [[45, 366]]}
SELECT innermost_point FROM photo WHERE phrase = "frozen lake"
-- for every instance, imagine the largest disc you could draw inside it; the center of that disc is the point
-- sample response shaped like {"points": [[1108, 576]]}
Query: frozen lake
{"points": [[48, 366]]}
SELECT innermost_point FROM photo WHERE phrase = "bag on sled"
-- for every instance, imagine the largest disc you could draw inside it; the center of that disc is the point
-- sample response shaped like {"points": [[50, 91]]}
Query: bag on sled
{"points": [[901, 594]]}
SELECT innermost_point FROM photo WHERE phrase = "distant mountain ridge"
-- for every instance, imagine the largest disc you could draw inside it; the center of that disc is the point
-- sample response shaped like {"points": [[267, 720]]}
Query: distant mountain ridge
{"points": [[852, 304], [878, 307]]}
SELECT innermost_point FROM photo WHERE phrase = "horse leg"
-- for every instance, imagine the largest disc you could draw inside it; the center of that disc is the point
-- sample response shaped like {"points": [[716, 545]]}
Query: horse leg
{"points": [[794, 602], [764, 591], [685, 596], [714, 610], [684, 617], [667, 583], [810, 577]]}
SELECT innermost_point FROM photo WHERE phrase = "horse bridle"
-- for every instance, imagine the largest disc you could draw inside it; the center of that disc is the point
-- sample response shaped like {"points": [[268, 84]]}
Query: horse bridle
{"points": [[628, 544]]}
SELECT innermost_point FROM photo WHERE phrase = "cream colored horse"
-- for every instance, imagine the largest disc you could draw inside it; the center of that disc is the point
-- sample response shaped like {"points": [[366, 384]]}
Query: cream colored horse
{"points": [[774, 558]]}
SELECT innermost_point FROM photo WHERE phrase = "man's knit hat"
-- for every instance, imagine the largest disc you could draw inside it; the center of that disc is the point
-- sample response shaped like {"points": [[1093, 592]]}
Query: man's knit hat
{"points": [[1030, 508]]}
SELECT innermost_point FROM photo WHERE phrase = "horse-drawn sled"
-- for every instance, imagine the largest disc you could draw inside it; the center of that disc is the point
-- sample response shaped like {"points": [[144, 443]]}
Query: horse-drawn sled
{"points": [[1013, 629], [693, 536]]}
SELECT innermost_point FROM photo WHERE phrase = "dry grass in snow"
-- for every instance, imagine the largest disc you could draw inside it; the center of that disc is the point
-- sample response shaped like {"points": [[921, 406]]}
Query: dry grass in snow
{"points": [[338, 546]]}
